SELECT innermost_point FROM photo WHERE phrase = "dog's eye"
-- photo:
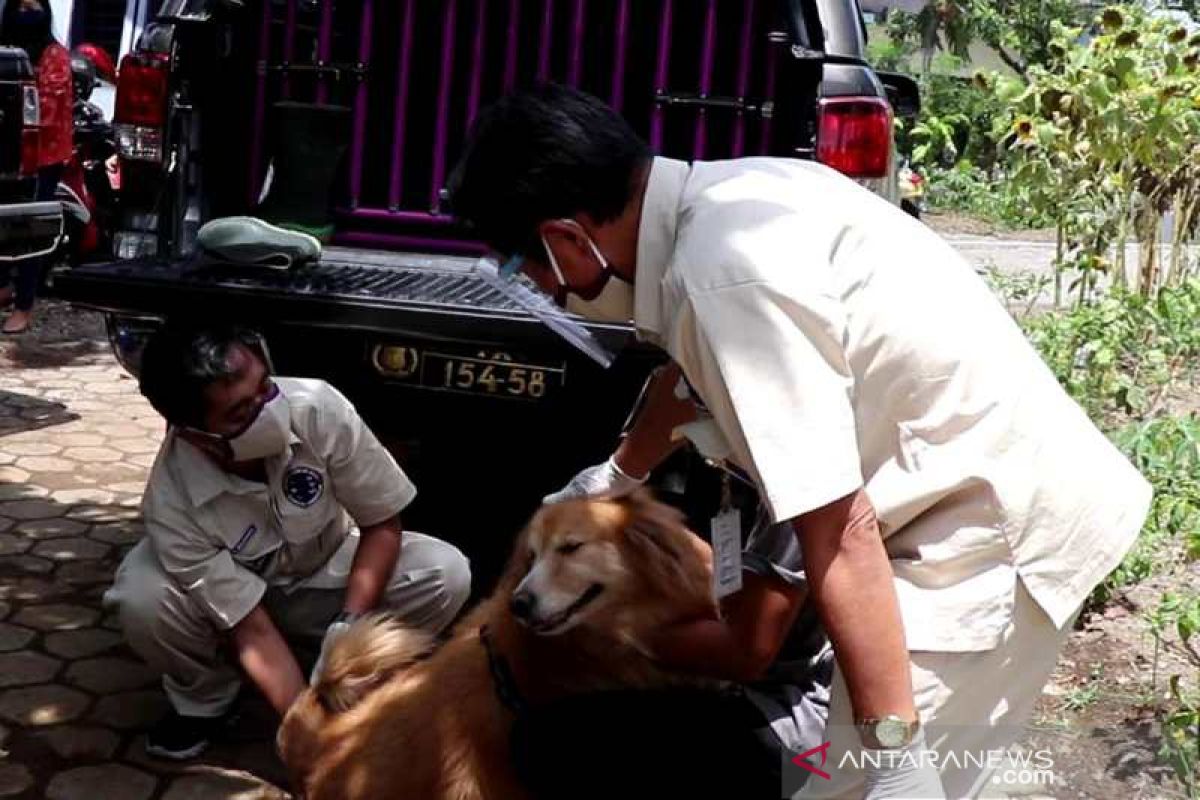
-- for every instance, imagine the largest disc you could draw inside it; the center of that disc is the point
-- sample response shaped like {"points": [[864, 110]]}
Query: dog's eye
{"points": [[569, 547]]}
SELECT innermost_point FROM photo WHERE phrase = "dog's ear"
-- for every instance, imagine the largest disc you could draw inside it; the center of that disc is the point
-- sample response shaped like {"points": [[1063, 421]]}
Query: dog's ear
{"points": [[519, 563], [658, 537], [297, 741]]}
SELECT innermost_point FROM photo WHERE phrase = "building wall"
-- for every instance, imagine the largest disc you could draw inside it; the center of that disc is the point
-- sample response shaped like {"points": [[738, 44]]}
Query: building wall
{"points": [[101, 22]]}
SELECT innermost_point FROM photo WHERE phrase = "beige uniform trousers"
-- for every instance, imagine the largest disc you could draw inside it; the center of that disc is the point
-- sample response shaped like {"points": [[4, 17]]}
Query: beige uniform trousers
{"points": [[170, 631], [971, 704]]}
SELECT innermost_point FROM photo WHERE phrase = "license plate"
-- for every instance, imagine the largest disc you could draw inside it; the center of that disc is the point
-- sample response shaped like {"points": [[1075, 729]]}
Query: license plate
{"points": [[494, 373]]}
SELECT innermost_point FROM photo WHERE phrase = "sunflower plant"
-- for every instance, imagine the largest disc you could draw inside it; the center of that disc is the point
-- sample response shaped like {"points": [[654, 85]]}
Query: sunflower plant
{"points": [[1106, 140]]}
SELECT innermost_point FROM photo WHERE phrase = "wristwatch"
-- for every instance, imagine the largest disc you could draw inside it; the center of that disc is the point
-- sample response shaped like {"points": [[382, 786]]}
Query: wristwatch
{"points": [[887, 733]]}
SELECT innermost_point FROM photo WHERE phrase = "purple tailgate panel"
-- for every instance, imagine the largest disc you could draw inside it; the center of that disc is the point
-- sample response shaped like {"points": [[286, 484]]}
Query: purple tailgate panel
{"points": [[695, 77]]}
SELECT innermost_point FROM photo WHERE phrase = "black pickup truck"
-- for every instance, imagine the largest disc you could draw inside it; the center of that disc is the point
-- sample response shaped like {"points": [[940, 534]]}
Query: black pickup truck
{"points": [[28, 229], [484, 407]]}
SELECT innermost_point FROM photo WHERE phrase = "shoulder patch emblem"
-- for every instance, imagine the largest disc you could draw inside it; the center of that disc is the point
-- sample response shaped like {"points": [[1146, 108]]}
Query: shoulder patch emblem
{"points": [[303, 486]]}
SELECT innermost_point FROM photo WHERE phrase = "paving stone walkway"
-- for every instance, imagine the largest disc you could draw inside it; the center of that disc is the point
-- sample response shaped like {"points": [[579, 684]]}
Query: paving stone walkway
{"points": [[76, 442]]}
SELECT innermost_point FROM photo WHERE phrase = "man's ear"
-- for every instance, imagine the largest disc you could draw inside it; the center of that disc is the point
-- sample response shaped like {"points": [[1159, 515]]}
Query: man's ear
{"points": [[573, 252], [555, 231]]}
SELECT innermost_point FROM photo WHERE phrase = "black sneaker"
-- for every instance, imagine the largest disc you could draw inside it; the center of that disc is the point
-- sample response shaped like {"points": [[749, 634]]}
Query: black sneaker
{"points": [[179, 738]]}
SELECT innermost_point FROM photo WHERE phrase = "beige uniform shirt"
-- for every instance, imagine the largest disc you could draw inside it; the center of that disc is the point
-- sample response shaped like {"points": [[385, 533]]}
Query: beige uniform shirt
{"points": [[226, 539], [840, 344]]}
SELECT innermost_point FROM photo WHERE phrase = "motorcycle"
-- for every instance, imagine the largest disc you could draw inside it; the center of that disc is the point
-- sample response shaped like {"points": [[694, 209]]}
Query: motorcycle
{"points": [[912, 190], [90, 184]]}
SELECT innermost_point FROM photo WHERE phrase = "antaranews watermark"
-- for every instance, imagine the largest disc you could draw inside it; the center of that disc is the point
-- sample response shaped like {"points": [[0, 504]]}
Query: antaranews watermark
{"points": [[961, 754]]}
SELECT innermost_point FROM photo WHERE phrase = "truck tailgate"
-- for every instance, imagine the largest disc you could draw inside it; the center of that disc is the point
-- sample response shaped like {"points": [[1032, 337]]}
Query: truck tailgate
{"points": [[398, 293]]}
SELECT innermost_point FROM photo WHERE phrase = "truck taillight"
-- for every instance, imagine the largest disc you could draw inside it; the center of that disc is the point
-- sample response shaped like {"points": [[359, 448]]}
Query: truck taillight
{"points": [[855, 136], [31, 112], [31, 120], [141, 106]]}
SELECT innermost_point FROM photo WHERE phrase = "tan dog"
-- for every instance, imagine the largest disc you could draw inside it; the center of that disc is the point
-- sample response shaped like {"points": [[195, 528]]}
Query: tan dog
{"points": [[589, 580]]}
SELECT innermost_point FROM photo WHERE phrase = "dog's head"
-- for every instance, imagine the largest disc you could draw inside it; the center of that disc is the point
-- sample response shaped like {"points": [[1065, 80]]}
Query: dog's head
{"points": [[579, 562]]}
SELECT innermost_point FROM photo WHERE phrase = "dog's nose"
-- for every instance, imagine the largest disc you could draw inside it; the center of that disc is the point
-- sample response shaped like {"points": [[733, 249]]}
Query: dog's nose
{"points": [[522, 605]]}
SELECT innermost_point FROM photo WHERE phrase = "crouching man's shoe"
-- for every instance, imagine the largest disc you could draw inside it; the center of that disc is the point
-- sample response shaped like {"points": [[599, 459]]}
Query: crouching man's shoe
{"points": [[178, 738]]}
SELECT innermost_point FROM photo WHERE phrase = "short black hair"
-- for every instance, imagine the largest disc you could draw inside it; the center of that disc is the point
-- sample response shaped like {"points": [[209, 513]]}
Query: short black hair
{"points": [[181, 360], [542, 154]]}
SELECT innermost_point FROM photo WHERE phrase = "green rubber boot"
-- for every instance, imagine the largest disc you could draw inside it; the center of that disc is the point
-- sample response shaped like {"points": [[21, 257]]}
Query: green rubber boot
{"points": [[309, 143]]}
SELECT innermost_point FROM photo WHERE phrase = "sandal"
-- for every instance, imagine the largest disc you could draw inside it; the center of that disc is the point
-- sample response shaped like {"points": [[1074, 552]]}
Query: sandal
{"points": [[7, 331]]}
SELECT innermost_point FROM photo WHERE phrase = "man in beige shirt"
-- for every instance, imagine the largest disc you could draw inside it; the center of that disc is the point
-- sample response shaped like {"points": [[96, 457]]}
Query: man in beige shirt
{"points": [[954, 506], [271, 509]]}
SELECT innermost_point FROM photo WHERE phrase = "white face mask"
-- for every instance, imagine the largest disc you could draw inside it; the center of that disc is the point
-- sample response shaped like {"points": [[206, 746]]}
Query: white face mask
{"points": [[266, 435], [615, 302]]}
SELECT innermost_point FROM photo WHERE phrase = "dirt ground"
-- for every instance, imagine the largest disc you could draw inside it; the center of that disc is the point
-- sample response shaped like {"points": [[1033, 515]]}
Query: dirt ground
{"points": [[953, 223], [1097, 713]]}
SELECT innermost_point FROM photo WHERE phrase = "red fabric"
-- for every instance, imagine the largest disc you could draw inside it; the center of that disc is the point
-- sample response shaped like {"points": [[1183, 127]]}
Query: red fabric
{"points": [[56, 93]]}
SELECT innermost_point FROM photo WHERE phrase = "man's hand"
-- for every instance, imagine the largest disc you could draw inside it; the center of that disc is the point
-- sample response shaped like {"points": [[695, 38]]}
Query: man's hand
{"points": [[602, 482], [647, 443], [372, 568], [334, 632], [904, 774]]}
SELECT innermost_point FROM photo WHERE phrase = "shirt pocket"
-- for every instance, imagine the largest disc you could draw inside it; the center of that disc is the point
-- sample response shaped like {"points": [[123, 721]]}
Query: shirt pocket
{"points": [[246, 532], [302, 503]]}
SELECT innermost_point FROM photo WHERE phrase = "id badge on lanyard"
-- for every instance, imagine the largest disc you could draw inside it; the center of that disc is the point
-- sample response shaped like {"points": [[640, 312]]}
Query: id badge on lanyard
{"points": [[726, 533]]}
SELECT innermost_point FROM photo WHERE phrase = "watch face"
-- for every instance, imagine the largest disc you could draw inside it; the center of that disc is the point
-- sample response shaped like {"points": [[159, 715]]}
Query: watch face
{"points": [[892, 732]]}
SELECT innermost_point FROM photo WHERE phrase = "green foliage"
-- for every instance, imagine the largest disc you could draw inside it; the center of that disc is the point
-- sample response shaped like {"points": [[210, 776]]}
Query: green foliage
{"points": [[1106, 139], [1166, 451], [1020, 31], [933, 138], [1181, 736], [1118, 356], [891, 55], [956, 121], [1179, 616], [1084, 695], [1102, 139], [1020, 292], [970, 190]]}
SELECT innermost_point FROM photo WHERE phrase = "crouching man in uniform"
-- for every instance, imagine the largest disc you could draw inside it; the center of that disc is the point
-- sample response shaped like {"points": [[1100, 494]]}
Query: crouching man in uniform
{"points": [[271, 509]]}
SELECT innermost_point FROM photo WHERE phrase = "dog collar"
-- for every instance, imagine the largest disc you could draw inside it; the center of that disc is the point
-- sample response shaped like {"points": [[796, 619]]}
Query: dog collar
{"points": [[502, 678]]}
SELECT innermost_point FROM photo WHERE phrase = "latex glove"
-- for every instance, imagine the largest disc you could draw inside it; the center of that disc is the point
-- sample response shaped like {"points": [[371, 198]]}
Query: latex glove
{"points": [[601, 482], [907, 773], [332, 634]]}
